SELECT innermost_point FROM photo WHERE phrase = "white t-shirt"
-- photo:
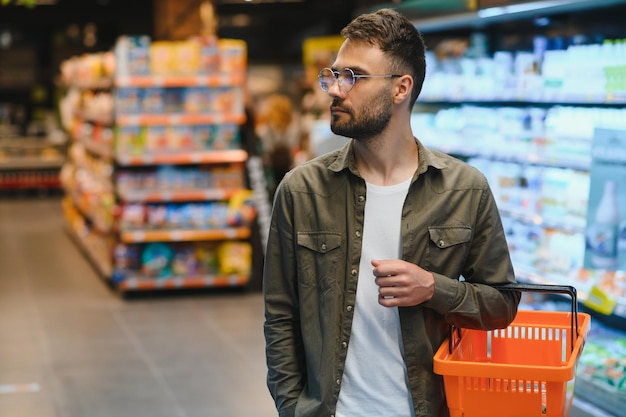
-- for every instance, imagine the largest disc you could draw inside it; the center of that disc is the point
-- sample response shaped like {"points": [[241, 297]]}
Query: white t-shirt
{"points": [[375, 381]]}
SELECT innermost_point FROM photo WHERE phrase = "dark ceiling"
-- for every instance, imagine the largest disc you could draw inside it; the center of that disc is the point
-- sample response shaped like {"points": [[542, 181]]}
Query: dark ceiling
{"points": [[274, 29]]}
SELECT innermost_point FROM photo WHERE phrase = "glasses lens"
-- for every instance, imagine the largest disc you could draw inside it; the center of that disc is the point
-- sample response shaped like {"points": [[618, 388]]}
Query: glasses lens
{"points": [[346, 80], [326, 78]]}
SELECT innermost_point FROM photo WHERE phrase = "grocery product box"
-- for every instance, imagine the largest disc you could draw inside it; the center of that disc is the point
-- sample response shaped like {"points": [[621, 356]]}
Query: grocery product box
{"points": [[153, 100], [129, 140], [132, 55], [128, 100], [162, 58], [233, 55]]}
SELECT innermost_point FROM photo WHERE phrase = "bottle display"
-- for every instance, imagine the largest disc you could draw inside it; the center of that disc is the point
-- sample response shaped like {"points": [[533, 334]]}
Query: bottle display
{"points": [[528, 116], [604, 232]]}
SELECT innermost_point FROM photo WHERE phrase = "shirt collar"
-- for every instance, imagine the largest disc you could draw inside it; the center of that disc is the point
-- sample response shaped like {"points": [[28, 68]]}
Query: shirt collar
{"points": [[345, 159]]}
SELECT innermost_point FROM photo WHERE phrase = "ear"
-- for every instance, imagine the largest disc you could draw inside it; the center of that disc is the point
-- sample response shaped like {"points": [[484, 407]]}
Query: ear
{"points": [[404, 86]]}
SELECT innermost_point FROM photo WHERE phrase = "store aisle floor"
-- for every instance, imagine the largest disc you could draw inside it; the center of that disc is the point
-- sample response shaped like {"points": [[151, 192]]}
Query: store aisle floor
{"points": [[72, 347]]}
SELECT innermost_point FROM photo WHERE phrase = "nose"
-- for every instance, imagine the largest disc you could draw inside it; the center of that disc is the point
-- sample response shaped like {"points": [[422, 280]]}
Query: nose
{"points": [[334, 89]]}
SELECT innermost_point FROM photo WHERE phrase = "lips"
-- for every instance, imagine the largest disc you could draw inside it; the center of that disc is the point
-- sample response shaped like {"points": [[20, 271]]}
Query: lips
{"points": [[337, 109]]}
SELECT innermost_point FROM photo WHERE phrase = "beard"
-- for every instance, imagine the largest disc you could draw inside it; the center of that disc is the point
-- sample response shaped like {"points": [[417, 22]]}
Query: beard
{"points": [[374, 119]]}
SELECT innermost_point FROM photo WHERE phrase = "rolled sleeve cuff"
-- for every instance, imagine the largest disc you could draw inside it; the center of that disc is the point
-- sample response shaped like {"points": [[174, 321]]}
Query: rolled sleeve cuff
{"points": [[446, 290]]}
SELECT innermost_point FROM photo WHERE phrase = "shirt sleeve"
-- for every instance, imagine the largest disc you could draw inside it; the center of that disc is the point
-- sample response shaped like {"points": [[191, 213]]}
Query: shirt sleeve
{"points": [[284, 352], [472, 302]]}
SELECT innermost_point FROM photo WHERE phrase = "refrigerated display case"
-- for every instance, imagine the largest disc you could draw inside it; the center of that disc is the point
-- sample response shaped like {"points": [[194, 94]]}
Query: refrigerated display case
{"points": [[519, 92]]}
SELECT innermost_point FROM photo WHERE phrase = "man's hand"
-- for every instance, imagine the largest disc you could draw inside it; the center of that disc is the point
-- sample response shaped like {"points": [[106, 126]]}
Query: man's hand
{"points": [[402, 283]]}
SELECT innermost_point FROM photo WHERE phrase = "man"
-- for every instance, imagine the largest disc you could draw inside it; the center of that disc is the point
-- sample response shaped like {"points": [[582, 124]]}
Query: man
{"points": [[377, 248]]}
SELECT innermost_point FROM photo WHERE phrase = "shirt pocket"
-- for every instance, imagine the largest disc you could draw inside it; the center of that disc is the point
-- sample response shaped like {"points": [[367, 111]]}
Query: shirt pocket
{"points": [[319, 258], [448, 248]]}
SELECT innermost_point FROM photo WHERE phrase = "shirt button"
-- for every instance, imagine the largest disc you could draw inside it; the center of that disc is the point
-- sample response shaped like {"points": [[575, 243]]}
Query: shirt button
{"points": [[361, 199], [349, 308], [344, 344], [358, 233], [353, 272], [324, 247], [338, 382], [441, 243]]}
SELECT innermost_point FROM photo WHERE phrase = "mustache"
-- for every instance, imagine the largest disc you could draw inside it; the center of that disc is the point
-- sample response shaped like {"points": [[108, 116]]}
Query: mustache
{"points": [[337, 104]]}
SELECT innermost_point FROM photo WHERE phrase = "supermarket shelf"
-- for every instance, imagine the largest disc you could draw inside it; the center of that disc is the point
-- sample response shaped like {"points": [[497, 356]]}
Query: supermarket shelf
{"points": [[138, 236], [581, 164], [84, 238], [607, 99], [28, 142], [35, 162], [200, 157], [98, 223], [569, 224], [100, 149], [30, 181], [96, 118], [493, 15], [103, 83], [179, 119], [212, 80], [582, 408], [616, 319], [612, 401], [101, 265], [148, 196], [135, 283]]}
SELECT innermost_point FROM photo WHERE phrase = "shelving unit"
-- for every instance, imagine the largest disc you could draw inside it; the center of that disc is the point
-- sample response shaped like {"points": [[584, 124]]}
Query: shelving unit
{"points": [[30, 163], [517, 130], [156, 188]]}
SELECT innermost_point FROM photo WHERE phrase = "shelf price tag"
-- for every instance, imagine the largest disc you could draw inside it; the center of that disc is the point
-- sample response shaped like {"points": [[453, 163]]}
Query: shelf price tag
{"points": [[158, 81], [233, 280], [195, 157], [122, 81], [137, 236], [599, 301]]}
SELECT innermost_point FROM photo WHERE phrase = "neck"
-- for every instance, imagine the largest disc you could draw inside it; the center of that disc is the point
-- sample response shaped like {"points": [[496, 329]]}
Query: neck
{"points": [[387, 159]]}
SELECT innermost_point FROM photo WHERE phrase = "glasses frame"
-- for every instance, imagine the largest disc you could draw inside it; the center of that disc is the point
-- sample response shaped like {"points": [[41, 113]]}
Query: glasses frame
{"points": [[355, 78]]}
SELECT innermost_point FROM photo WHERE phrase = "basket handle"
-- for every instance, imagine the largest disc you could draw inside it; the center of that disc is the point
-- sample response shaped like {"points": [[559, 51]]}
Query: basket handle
{"points": [[542, 288]]}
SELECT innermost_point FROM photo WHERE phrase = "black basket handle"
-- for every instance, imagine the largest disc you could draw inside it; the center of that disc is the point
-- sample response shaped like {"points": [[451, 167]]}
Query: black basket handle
{"points": [[541, 288]]}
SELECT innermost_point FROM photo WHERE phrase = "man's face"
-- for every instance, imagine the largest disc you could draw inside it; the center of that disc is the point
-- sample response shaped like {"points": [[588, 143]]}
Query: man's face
{"points": [[366, 109]]}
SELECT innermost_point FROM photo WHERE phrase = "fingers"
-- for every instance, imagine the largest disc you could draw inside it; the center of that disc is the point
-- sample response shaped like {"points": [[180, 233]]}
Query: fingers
{"points": [[387, 267]]}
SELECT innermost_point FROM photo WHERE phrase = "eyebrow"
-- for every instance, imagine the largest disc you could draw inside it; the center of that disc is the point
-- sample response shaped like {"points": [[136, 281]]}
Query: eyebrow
{"points": [[356, 70]]}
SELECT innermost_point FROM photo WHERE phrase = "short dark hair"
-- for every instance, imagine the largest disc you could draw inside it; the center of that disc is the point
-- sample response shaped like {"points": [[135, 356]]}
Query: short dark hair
{"points": [[397, 37]]}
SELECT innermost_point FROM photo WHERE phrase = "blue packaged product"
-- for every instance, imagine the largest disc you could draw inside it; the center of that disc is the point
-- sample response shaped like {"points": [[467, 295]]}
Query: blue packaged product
{"points": [[173, 100], [202, 136], [156, 259], [128, 101], [224, 137], [153, 100], [132, 54]]}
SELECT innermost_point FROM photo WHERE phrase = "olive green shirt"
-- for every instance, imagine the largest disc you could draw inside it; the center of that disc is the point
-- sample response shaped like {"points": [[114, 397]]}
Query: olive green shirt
{"points": [[450, 226]]}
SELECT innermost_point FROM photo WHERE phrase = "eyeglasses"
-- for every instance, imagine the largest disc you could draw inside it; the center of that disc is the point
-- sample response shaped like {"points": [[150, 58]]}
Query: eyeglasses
{"points": [[346, 78]]}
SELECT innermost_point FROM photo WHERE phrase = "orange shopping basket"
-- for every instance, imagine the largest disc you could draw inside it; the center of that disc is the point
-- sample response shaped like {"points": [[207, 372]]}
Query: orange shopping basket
{"points": [[525, 370]]}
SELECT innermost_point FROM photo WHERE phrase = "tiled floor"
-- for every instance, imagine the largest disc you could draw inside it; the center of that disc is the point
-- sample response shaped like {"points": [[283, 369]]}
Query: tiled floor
{"points": [[72, 347]]}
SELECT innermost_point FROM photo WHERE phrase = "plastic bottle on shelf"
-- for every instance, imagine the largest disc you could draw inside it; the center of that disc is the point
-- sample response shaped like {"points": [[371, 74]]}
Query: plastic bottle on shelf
{"points": [[604, 232]]}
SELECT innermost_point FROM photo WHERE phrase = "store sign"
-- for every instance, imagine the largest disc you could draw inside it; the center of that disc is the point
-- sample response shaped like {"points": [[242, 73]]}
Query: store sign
{"points": [[605, 238]]}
